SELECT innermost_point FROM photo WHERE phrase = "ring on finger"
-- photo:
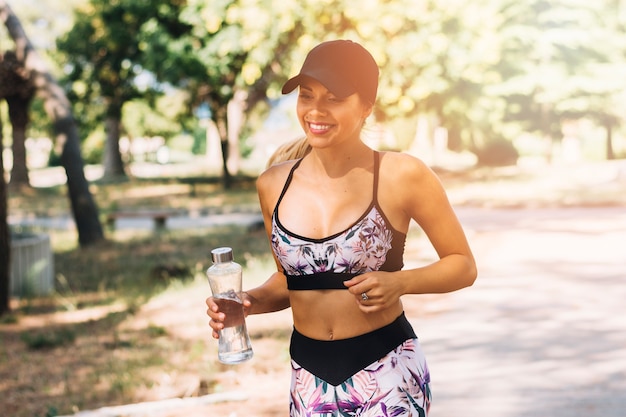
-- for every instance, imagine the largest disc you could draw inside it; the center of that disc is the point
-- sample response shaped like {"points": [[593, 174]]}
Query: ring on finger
{"points": [[364, 296]]}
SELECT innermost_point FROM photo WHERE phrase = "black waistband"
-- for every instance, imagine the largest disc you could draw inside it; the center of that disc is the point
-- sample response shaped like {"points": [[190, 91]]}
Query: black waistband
{"points": [[319, 281], [337, 360]]}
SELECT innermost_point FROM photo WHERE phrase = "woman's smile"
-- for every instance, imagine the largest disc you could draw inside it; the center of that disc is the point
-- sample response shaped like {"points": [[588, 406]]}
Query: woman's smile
{"points": [[327, 119], [319, 128]]}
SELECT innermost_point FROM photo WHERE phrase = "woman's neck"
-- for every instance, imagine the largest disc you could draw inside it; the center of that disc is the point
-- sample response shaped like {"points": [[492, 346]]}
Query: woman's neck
{"points": [[336, 162]]}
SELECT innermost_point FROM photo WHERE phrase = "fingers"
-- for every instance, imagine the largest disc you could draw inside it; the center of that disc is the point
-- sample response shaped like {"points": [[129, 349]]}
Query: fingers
{"points": [[246, 301], [367, 304], [364, 295], [354, 281], [217, 317], [372, 291], [357, 286]]}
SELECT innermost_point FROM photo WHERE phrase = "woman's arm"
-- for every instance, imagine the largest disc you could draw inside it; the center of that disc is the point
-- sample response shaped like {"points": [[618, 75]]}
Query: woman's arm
{"points": [[428, 204], [412, 191], [272, 295]]}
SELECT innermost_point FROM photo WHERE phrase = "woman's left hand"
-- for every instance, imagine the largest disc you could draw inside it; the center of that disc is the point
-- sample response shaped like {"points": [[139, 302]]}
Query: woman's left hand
{"points": [[374, 291]]}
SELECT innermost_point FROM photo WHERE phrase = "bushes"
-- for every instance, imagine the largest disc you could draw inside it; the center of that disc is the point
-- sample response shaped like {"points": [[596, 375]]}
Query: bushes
{"points": [[49, 338]]}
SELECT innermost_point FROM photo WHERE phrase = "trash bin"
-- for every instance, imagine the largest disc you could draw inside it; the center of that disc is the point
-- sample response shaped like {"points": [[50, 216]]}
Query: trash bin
{"points": [[32, 265]]}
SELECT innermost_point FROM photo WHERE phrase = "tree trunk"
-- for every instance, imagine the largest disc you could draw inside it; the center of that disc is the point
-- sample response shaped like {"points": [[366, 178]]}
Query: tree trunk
{"points": [[113, 164], [236, 113], [58, 108], [5, 247], [610, 153], [222, 128], [18, 114], [84, 208]]}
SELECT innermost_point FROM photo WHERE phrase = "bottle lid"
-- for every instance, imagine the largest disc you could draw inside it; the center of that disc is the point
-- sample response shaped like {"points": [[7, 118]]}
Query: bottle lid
{"points": [[220, 255]]}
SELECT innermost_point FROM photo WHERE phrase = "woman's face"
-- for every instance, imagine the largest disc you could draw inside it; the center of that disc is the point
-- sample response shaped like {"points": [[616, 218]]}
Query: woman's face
{"points": [[326, 119]]}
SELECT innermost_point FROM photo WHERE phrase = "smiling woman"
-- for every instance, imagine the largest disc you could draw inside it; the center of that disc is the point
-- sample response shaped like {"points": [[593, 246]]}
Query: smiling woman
{"points": [[325, 117], [337, 213]]}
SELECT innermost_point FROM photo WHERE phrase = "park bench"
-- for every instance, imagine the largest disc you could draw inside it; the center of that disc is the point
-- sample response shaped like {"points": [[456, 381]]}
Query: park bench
{"points": [[158, 216]]}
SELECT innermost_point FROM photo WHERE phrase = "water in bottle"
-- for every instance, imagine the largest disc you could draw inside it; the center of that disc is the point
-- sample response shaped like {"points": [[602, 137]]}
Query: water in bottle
{"points": [[225, 280]]}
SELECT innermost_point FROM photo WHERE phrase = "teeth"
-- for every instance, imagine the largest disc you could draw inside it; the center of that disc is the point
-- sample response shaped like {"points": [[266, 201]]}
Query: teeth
{"points": [[315, 126]]}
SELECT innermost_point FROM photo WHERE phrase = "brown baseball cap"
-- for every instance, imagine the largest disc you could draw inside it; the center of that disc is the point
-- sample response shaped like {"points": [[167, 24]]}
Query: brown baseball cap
{"points": [[342, 66]]}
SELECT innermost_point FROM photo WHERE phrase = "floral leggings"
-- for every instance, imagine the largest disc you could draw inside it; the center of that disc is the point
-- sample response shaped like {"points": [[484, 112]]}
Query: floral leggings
{"points": [[395, 385]]}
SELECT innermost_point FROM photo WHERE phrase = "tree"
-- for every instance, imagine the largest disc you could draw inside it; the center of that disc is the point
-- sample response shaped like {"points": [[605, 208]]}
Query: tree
{"points": [[103, 50], [58, 109], [601, 84], [228, 58], [109, 52], [18, 91], [426, 52], [560, 61], [5, 248], [486, 69]]}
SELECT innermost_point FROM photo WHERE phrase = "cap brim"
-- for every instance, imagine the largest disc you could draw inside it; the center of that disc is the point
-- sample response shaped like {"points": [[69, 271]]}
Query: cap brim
{"points": [[291, 84], [339, 89]]}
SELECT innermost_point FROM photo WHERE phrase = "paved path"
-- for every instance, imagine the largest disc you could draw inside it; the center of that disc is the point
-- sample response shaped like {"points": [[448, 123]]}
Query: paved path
{"points": [[543, 330]]}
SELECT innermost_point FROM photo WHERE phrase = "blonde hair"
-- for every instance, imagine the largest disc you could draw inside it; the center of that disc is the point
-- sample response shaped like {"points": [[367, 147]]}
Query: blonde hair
{"points": [[294, 149]]}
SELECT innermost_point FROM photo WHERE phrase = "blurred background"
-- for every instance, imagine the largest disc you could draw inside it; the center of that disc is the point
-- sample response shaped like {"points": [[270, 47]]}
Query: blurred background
{"points": [[132, 132], [504, 82]]}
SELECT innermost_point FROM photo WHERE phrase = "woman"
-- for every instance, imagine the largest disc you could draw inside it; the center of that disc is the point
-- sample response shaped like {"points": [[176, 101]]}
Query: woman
{"points": [[337, 219]]}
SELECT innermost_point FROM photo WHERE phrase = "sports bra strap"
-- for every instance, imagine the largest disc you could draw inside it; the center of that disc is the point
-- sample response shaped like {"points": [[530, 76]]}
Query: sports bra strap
{"points": [[376, 165], [297, 164], [289, 178]]}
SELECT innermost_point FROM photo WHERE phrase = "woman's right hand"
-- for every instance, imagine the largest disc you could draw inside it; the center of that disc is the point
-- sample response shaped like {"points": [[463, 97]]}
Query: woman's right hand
{"points": [[218, 317]]}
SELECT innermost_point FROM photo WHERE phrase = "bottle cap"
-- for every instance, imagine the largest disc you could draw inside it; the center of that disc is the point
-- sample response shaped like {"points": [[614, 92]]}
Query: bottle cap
{"points": [[220, 255]]}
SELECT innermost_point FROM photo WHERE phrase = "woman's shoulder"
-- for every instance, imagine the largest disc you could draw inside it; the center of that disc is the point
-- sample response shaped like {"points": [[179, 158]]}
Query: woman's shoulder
{"points": [[410, 187], [270, 183], [401, 164], [275, 176], [277, 170]]}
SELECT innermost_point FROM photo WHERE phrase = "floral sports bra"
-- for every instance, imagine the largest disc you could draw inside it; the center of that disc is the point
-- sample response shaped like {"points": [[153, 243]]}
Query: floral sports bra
{"points": [[370, 244]]}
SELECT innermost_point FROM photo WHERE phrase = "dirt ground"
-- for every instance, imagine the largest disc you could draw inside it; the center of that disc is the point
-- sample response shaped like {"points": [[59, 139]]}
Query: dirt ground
{"points": [[540, 333]]}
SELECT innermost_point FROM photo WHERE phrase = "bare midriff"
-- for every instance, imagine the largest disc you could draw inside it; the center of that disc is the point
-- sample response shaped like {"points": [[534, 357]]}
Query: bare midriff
{"points": [[335, 314]]}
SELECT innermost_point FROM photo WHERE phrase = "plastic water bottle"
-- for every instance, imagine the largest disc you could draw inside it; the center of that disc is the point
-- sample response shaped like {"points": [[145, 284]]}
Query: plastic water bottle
{"points": [[225, 281]]}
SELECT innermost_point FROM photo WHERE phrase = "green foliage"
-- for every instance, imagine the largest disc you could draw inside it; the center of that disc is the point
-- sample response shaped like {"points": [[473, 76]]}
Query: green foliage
{"points": [[105, 52], [106, 58], [8, 319], [142, 119], [45, 20], [135, 268], [482, 69], [555, 62], [93, 146], [156, 331], [183, 143], [47, 339], [39, 126], [199, 141]]}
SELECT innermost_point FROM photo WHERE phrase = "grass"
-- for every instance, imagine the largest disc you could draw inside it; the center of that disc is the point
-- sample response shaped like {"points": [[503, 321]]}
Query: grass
{"points": [[90, 344], [48, 338], [171, 193], [115, 357]]}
